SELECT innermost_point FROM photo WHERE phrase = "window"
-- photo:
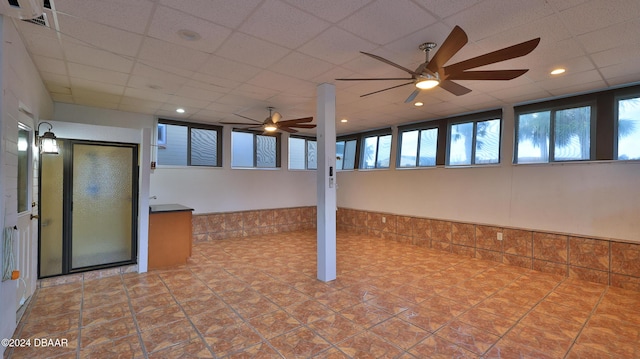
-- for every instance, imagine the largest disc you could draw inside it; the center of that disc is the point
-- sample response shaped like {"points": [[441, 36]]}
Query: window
{"points": [[189, 144], [254, 150], [376, 151], [346, 154], [24, 154], [474, 142], [562, 134], [418, 147], [302, 154], [628, 129]]}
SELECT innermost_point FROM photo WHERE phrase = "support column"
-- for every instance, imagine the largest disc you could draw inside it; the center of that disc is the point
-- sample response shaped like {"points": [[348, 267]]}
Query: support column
{"points": [[326, 181]]}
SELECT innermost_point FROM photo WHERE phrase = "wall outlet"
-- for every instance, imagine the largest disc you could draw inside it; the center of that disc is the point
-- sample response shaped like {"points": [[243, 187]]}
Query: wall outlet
{"points": [[384, 219], [499, 236]]}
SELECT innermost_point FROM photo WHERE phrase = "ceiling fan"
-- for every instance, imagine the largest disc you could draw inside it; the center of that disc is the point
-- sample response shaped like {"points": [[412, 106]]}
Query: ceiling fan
{"points": [[433, 73], [273, 123]]}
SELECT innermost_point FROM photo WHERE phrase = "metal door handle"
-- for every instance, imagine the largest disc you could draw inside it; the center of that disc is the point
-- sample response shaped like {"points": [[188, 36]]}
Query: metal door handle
{"points": [[34, 216]]}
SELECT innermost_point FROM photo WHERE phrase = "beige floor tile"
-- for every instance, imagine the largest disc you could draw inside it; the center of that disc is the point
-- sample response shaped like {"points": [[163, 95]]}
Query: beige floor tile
{"points": [[257, 297]]}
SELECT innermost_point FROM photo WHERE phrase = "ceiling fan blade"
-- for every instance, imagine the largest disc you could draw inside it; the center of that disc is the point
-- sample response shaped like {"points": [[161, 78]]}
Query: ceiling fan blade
{"points": [[297, 120], [276, 117], [302, 126], [507, 53], [238, 123], [389, 63], [487, 75], [412, 96], [451, 45], [378, 79], [290, 130], [454, 88], [248, 118], [388, 88]]}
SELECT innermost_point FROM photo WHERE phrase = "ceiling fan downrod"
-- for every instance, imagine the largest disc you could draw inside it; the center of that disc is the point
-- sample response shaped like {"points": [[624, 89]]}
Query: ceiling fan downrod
{"points": [[426, 47]]}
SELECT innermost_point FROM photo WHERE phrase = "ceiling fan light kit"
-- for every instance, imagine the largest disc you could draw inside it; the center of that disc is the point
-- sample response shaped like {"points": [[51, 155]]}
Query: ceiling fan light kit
{"points": [[433, 73], [428, 82]]}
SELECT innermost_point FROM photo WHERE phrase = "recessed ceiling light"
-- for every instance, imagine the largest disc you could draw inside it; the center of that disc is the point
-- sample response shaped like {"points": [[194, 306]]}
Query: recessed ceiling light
{"points": [[343, 120], [418, 104], [188, 35], [180, 110], [558, 71]]}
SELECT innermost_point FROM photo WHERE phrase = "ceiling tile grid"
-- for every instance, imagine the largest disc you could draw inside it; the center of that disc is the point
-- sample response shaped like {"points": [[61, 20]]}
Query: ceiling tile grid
{"points": [[242, 56]]}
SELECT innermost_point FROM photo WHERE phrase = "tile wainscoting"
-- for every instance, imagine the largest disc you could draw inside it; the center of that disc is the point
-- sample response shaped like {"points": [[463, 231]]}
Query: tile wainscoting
{"points": [[214, 226], [605, 261]]}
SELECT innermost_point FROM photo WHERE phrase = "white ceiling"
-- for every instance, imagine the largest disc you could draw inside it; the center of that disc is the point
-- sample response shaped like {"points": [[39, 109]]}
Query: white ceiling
{"points": [[127, 55]]}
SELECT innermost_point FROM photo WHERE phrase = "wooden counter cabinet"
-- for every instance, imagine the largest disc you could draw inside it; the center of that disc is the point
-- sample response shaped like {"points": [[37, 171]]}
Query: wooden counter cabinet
{"points": [[169, 235]]}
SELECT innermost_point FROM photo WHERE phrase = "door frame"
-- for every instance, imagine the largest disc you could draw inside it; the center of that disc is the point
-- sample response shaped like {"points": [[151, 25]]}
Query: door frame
{"points": [[67, 206], [27, 246]]}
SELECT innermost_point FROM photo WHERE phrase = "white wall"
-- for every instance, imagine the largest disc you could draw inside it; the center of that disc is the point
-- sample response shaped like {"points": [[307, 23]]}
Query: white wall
{"points": [[20, 84], [600, 199]]}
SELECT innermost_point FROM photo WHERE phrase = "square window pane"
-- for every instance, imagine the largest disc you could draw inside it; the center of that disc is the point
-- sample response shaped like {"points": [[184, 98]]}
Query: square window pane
{"points": [[369, 152], [460, 144], [629, 129], [204, 147], [572, 134], [296, 153], [241, 149], [384, 152], [349, 161], [312, 153], [265, 151], [174, 150], [428, 147], [533, 137], [409, 149], [339, 154], [488, 142]]}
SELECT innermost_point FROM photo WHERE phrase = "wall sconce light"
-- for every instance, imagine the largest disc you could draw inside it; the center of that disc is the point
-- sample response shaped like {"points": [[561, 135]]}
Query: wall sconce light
{"points": [[47, 141]]}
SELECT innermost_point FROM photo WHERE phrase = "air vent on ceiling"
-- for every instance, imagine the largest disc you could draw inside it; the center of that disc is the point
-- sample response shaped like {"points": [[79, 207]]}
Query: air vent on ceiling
{"points": [[41, 20]]}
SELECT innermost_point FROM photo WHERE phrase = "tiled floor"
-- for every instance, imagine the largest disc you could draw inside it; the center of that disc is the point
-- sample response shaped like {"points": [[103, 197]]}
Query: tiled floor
{"points": [[258, 298]]}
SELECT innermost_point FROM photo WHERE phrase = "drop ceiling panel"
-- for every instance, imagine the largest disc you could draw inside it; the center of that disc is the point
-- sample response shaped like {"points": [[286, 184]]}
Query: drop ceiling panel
{"points": [[111, 13], [97, 74], [82, 86], [198, 94], [378, 21], [142, 94], [90, 55], [301, 66], [492, 17], [100, 36], [229, 13], [229, 69], [283, 24], [252, 51], [599, 14], [626, 33], [330, 10], [172, 55], [167, 23], [446, 8], [336, 46], [48, 64]]}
